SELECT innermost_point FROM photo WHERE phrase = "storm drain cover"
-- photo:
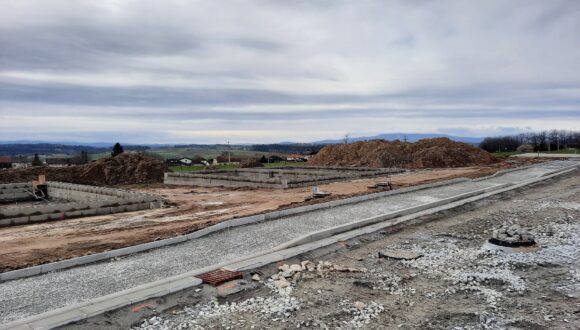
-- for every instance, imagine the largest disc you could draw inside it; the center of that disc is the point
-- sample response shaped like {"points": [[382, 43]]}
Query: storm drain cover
{"points": [[219, 276]]}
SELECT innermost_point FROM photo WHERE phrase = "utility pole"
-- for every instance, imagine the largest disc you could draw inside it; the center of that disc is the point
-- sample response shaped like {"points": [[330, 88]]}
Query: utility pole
{"points": [[229, 153], [405, 138]]}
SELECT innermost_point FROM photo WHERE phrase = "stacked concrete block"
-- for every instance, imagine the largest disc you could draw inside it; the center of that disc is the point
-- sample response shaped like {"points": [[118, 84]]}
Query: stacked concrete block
{"points": [[273, 178], [15, 192], [82, 201]]}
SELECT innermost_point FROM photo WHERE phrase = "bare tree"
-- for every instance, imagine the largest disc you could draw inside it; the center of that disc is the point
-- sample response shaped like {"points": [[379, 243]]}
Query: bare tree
{"points": [[346, 136], [554, 137]]}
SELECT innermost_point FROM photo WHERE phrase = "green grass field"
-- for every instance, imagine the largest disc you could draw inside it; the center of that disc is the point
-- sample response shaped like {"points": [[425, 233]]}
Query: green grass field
{"points": [[206, 153], [195, 168], [561, 151]]}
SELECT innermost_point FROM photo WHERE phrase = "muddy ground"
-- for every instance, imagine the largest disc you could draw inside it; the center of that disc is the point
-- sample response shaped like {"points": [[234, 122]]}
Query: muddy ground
{"points": [[192, 208], [454, 284]]}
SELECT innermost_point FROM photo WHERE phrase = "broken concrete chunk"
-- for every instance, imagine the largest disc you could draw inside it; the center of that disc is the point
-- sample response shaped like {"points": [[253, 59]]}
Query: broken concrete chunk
{"points": [[295, 268], [307, 265], [287, 274], [513, 230], [284, 268], [282, 283], [256, 277], [360, 305]]}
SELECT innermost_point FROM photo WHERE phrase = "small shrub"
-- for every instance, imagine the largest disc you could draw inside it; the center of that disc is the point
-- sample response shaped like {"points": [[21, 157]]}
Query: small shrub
{"points": [[525, 148]]}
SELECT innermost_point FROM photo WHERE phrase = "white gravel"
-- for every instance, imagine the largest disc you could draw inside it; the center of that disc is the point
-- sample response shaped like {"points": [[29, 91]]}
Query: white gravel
{"points": [[30, 296]]}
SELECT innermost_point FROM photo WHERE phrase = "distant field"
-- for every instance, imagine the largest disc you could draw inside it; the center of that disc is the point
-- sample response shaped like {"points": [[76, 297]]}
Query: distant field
{"points": [[203, 152], [561, 151], [196, 168], [230, 167], [173, 153]]}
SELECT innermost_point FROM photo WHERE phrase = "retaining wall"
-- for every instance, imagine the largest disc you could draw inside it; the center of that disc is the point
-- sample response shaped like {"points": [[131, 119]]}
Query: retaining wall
{"points": [[272, 178]]}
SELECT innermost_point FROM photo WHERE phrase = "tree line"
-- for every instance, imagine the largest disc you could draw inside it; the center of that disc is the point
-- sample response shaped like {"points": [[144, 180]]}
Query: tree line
{"points": [[540, 141]]}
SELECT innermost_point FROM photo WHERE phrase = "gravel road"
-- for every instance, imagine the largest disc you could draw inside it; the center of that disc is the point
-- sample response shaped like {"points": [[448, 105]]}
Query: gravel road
{"points": [[455, 282], [34, 295]]}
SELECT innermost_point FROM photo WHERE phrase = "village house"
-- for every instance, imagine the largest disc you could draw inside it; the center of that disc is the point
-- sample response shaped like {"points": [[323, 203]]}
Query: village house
{"points": [[59, 162], [5, 162]]}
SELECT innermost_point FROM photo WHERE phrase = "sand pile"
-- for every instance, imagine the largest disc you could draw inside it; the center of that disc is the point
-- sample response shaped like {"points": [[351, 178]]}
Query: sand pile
{"points": [[426, 153], [123, 169]]}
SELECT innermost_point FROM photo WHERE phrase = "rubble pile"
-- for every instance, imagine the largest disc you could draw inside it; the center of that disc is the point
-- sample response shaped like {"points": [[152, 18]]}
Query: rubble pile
{"points": [[280, 306], [251, 163], [289, 275], [512, 236], [426, 153]]}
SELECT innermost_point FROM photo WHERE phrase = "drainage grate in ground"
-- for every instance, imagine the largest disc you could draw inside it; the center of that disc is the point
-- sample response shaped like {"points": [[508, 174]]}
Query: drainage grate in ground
{"points": [[219, 276]]}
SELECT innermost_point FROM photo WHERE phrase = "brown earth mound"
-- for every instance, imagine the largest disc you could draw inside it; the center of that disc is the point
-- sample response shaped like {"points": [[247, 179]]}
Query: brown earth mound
{"points": [[426, 153], [251, 163], [124, 169]]}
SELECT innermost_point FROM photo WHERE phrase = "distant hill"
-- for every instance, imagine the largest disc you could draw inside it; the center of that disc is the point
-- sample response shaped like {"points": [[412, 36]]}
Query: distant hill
{"points": [[410, 137], [29, 149]]}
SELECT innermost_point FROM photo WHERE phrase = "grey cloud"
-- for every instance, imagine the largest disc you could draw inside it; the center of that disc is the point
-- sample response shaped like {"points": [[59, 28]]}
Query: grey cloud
{"points": [[505, 61]]}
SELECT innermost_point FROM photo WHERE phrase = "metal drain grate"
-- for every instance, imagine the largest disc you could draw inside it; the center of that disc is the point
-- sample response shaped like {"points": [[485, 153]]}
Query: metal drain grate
{"points": [[219, 276]]}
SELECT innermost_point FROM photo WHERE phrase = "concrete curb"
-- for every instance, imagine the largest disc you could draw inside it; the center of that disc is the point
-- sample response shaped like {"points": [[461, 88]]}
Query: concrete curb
{"points": [[73, 262], [94, 307], [78, 261], [318, 235], [169, 285], [275, 256]]}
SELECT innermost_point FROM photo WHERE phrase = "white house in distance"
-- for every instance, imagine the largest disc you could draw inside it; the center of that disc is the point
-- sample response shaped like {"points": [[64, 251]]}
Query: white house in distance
{"points": [[186, 161]]}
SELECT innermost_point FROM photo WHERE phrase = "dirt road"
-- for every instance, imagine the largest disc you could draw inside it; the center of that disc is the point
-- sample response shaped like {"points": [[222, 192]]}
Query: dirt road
{"points": [[193, 209], [453, 283]]}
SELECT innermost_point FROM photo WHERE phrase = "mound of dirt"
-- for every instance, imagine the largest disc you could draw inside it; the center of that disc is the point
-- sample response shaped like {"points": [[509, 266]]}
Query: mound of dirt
{"points": [[426, 153], [123, 169], [126, 168], [251, 163]]}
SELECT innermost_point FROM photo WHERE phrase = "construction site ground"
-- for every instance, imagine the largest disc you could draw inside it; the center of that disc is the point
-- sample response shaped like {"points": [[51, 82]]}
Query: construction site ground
{"points": [[30, 296], [191, 208], [453, 283]]}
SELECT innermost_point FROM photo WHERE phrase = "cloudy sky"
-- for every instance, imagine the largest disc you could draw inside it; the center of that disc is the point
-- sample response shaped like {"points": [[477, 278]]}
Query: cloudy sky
{"points": [[264, 71]]}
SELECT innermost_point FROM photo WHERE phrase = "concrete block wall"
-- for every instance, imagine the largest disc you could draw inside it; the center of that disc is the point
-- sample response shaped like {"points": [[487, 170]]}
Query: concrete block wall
{"points": [[271, 178], [31, 271], [86, 201], [14, 192]]}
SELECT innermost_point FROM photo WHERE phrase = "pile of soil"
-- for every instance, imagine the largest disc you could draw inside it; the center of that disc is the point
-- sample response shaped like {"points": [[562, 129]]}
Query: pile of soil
{"points": [[251, 163], [123, 169], [426, 153]]}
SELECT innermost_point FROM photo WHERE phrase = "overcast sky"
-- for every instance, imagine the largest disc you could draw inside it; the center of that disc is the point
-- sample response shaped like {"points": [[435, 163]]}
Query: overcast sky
{"points": [[265, 71]]}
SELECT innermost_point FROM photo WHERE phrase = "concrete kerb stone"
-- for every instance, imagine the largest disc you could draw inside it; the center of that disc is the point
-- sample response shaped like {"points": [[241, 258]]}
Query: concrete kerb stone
{"points": [[561, 170], [212, 229], [222, 226], [75, 313], [276, 256], [353, 225], [20, 273], [504, 172], [78, 312]]}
